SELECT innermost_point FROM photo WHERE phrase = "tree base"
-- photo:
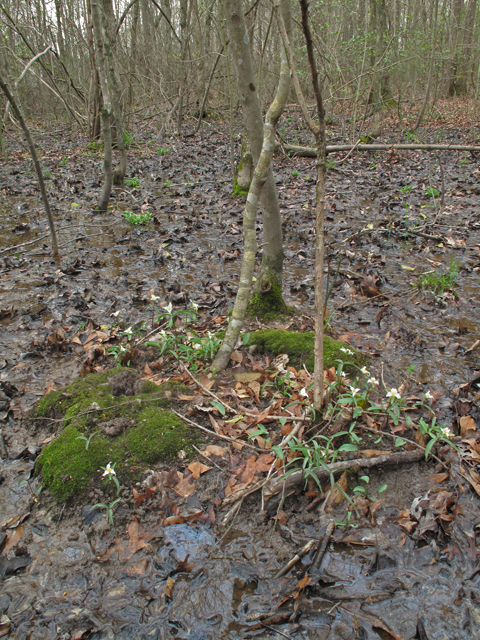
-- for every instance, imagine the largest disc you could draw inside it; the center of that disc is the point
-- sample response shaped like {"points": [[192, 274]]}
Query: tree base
{"points": [[269, 303]]}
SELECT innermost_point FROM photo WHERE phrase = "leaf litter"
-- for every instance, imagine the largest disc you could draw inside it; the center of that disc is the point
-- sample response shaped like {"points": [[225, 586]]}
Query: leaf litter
{"points": [[375, 305]]}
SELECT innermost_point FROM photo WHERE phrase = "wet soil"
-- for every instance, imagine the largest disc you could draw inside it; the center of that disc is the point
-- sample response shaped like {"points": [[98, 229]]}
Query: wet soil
{"points": [[67, 572]]}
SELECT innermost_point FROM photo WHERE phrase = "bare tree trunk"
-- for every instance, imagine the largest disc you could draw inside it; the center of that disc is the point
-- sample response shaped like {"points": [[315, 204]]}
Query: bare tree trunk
{"points": [[235, 13], [107, 108], [17, 109], [321, 151], [268, 287], [108, 19]]}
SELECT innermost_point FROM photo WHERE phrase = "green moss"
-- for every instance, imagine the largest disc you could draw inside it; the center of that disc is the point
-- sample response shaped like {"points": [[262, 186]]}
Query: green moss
{"points": [[68, 468], [238, 190], [270, 304], [299, 348]]}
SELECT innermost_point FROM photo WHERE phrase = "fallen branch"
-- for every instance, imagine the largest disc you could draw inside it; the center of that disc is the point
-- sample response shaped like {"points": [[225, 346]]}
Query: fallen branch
{"points": [[275, 486], [311, 152], [298, 556]]}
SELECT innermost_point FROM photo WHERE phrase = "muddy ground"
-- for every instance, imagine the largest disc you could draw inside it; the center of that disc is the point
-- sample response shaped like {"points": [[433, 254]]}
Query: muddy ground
{"points": [[67, 573]]}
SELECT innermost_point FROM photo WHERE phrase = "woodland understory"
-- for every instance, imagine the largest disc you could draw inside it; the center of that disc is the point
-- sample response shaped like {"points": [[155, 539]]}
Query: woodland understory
{"points": [[199, 541], [239, 320]]}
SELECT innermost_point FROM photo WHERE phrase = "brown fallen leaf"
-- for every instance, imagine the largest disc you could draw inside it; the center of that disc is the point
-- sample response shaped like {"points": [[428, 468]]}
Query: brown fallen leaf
{"points": [[336, 496], [214, 450], [141, 497], [168, 588], [184, 488], [197, 468], [247, 376], [438, 477], [14, 537], [185, 566], [467, 423], [181, 396]]}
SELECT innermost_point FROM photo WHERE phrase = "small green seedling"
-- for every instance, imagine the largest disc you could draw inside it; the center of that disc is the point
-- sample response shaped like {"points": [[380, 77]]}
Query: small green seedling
{"points": [[110, 474], [406, 188], [87, 440], [108, 507], [63, 161], [137, 218], [440, 282], [133, 182], [363, 490], [162, 152], [432, 192]]}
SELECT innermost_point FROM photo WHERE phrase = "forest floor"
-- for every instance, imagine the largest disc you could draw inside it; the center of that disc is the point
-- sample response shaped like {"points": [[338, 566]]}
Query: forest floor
{"points": [[403, 246]]}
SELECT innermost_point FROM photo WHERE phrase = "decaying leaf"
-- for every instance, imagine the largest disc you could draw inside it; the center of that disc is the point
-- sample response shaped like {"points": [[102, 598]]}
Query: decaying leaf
{"points": [[214, 450], [168, 588], [197, 468]]}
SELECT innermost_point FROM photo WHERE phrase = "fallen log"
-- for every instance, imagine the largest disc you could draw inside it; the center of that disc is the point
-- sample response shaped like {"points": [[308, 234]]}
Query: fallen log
{"points": [[311, 152], [275, 486]]}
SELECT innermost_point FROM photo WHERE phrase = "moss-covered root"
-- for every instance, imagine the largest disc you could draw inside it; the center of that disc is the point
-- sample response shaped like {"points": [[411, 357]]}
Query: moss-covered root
{"points": [[268, 303], [299, 348]]}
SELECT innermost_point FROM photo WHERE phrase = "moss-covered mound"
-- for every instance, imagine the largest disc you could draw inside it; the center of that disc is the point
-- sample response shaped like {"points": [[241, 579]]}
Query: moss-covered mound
{"points": [[299, 348], [131, 423], [269, 305]]}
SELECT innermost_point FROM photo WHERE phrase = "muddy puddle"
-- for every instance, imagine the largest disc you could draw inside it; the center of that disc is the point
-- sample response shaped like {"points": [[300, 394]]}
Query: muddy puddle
{"points": [[375, 581]]}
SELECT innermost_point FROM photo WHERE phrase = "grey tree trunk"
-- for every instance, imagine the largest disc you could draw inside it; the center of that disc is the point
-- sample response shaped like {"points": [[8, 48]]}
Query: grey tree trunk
{"points": [[268, 288], [263, 168], [97, 10]]}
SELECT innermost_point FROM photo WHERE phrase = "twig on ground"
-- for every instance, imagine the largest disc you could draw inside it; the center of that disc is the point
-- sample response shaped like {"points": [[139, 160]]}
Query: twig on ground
{"points": [[217, 435], [298, 556], [323, 547]]}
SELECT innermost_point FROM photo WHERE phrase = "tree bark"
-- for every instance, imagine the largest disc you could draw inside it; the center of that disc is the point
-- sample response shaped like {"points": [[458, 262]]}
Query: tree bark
{"points": [[107, 108], [270, 276], [260, 176]]}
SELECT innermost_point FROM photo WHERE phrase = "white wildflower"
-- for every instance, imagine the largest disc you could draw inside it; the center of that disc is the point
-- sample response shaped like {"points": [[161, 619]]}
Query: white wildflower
{"points": [[197, 346], [373, 381], [122, 348], [343, 375], [393, 393], [169, 307], [129, 331], [354, 391], [303, 392], [115, 313], [347, 351], [154, 298], [446, 432], [428, 395], [109, 470], [365, 371], [194, 305]]}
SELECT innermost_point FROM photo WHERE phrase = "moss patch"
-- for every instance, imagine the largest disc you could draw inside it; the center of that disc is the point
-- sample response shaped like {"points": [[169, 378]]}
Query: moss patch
{"points": [[238, 190], [299, 348], [147, 431], [270, 304]]}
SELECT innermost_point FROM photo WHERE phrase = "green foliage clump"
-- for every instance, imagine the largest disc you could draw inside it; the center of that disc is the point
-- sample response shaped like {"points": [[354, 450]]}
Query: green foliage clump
{"points": [[299, 348]]}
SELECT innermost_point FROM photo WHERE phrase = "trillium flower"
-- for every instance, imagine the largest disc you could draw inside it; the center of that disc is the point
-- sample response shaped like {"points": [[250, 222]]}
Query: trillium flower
{"points": [[169, 307], [448, 433], [372, 380], [115, 313], [197, 346], [303, 392], [154, 298], [428, 395], [347, 351], [194, 305], [343, 375], [163, 333], [365, 371], [393, 393], [122, 348], [354, 391], [109, 470], [129, 331]]}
